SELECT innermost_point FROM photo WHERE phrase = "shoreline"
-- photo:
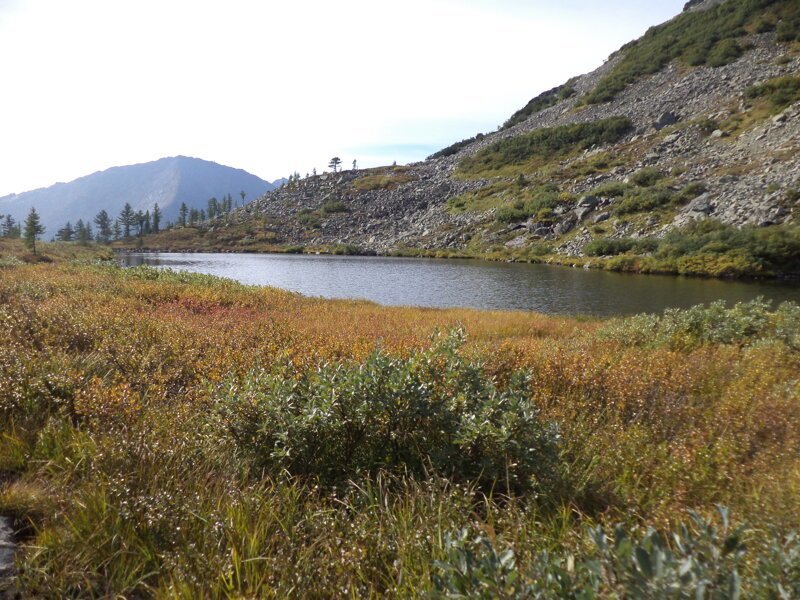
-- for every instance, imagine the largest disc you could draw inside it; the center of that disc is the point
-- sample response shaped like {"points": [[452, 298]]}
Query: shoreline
{"points": [[791, 279]]}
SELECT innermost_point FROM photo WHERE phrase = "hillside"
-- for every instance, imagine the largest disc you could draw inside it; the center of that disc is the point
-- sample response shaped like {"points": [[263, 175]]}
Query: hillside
{"points": [[168, 182], [679, 154]]}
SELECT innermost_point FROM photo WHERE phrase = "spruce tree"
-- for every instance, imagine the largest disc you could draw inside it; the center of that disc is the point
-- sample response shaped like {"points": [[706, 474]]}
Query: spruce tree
{"points": [[103, 222], [33, 229]]}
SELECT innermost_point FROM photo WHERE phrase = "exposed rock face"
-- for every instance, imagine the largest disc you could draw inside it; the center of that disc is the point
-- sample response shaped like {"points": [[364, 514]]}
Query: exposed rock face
{"points": [[7, 550], [747, 174]]}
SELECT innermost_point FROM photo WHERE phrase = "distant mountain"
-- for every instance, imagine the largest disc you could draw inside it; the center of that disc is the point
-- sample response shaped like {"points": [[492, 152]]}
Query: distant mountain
{"points": [[168, 182]]}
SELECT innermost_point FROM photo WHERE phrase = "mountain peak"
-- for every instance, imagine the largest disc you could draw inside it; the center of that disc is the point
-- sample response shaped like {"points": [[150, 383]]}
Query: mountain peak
{"points": [[168, 181]]}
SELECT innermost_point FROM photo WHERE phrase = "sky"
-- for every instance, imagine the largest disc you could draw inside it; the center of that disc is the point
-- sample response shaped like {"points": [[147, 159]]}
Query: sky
{"points": [[275, 87]]}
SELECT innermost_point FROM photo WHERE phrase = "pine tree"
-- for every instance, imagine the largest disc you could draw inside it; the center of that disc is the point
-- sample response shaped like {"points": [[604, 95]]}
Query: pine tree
{"points": [[103, 222], [83, 232], [182, 214], [127, 219], [33, 229], [10, 228], [213, 208], [66, 233], [334, 163], [156, 218]]}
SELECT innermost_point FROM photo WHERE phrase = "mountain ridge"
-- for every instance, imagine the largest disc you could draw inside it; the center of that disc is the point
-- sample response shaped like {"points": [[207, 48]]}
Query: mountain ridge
{"points": [[168, 181]]}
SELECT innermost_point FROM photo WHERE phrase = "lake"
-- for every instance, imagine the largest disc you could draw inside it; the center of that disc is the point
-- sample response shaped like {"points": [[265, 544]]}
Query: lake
{"points": [[468, 283]]}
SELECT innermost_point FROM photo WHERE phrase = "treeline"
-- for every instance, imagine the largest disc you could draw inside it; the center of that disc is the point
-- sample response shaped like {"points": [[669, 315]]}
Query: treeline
{"points": [[132, 223]]}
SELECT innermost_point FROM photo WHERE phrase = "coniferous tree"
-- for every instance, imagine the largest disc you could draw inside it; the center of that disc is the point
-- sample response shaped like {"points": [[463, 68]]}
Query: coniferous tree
{"points": [[334, 163], [127, 219], [193, 216], [183, 213], [139, 223], [10, 228], [117, 229], [212, 208], [66, 233], [156, 218], [243, 194], [83, 232], [33, 229], [103, 222]]}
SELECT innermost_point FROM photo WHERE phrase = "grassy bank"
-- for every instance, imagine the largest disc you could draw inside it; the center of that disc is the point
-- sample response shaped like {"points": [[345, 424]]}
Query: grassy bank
{"points": [[175, 435]]}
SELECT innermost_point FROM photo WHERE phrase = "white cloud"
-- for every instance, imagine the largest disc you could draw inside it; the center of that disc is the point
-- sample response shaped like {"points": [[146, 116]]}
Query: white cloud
{"points": [[276, 86]]}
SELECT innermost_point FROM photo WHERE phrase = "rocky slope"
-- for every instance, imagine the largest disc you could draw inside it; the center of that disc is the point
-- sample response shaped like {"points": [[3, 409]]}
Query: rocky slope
{"points": [[168, 182], [719, 147]]}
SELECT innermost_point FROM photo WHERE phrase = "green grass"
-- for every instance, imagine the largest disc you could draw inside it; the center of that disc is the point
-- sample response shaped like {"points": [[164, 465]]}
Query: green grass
{"points": [[544, 145], [712, 37]]}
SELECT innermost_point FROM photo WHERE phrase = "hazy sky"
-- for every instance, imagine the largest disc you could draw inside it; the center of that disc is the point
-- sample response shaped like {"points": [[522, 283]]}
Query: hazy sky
{"points": [[273, 87]]}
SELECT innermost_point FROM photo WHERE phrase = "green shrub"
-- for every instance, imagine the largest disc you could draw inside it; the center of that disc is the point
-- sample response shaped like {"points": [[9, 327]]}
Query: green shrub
{"points": [[744, 324], [347, 250], [780, 92], [541, 206], [647, 177], [702, 558], [708, 126], [642, 199], [308, 218], [510, 214], [613, 189], [788, 31], [434, 411], [772, 249], [725, 52], [607, 247], [333, 206], [546, 144], [690, 192]]}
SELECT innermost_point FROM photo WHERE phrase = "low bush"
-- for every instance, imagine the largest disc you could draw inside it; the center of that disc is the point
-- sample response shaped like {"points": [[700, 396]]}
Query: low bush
{"points": [[779, 92], [643, 199], [544, 199], [546, 144], [647, 177], [608, 247], [699, 559], [745, 324], [330, 207], [432, 412]]}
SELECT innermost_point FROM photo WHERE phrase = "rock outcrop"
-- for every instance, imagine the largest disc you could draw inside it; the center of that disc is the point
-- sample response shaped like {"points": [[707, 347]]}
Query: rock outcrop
{"points": [[691, 124]]}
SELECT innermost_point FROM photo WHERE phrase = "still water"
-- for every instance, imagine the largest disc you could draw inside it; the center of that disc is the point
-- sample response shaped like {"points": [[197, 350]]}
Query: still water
{"points": [[467, 283]]}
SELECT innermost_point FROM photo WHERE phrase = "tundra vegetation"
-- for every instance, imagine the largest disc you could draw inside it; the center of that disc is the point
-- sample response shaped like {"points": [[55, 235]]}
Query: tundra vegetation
{"points": [[176, 435]]}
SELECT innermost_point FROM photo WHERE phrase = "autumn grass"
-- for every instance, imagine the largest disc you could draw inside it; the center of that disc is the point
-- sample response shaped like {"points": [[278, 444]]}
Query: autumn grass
{"points": [[176, 435]]}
